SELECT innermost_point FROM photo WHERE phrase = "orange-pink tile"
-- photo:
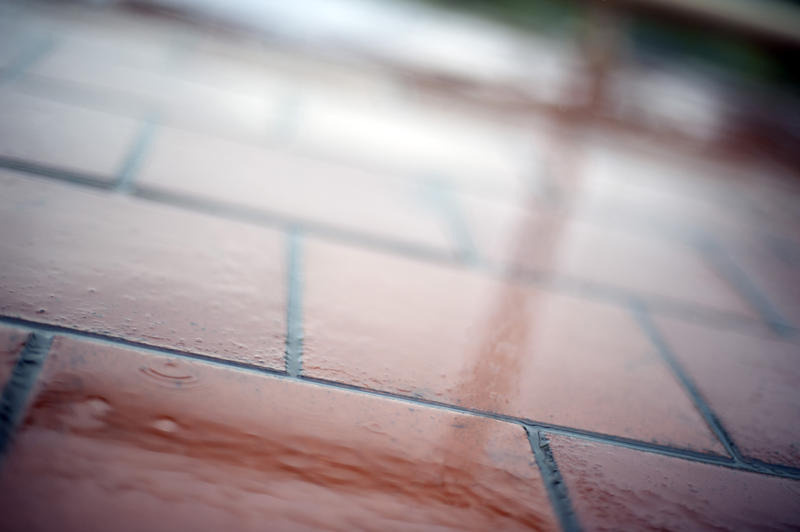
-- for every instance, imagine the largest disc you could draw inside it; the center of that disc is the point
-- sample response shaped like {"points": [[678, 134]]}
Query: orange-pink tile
{"points": [[122, 267], [459, 337], [750, 382], [334, 196], [614, 488], [136, 441], [645, 263]]}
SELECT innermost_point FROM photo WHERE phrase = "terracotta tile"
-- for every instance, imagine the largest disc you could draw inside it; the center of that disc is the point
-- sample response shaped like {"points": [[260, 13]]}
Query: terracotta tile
{"points": [[634, 261], [122, 267], [457, 337], [751, 384], [613, 488], [12, 340], [136, 441], [64, 136], [287, 185]]}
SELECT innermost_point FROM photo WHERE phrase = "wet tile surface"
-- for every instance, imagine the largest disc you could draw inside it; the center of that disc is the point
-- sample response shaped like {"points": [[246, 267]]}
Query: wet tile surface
{"points": [[612, 485], [279, 183], [43, 132], [143, 441], [750, 382], [12, 341], [452, 336], [623, 259], [150, 274], [361, 234]]}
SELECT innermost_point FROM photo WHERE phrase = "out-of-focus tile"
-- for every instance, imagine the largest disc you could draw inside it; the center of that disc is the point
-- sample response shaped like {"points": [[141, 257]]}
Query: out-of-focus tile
{"points": [[12, 340], [772, 264], [750, 382], [457, 337], [136, 441], [414, 139], [331, 195], [647, 264], [72, 138], [235, 106], [122, 267], [614, 488]]}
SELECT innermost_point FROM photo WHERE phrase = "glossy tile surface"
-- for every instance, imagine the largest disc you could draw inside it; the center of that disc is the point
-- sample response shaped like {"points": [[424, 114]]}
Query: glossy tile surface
{"points": [[279, 183], [612, 485], [620, 258], [41, 131], [452, 336], [144, 441], [145, 273], [752, 383], [294, 285]]}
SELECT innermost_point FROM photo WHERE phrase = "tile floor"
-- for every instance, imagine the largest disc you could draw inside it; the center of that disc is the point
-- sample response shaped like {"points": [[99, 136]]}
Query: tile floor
{"points": [[242, 288]]}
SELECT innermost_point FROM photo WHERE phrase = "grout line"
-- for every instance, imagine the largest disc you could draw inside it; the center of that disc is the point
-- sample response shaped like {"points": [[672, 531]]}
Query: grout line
{"points": [[553, 482], [775, 470], [659, 342], [59, 174], [127, 172], [729, 270], [559, 284], [19, 386], [33, 53], [442, 197], [294, 304]]}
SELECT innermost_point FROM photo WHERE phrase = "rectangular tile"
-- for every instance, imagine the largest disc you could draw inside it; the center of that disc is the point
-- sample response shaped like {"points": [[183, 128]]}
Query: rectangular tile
{"points": [[614, 488], [282, 184], [142, 442], [118, 266], [63, 136], [552, 242], [461, 338], [750, 382], [12, 341]]}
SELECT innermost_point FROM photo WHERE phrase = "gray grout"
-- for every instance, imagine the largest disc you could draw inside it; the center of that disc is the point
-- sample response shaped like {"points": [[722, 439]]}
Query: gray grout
{"points": [[33, 53], [551, 476], [729, 270], [775, 470], [126, 175], [441, 194], [575, 287], [294, 304], [15, 394], [662, 347]]}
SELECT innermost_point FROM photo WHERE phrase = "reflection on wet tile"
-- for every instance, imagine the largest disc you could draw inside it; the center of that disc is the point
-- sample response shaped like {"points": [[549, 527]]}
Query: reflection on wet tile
{"points": [[561, 246], [279, 183], [135, 441], [751, 383], [66, 137], [458, 337], [612, 485]]}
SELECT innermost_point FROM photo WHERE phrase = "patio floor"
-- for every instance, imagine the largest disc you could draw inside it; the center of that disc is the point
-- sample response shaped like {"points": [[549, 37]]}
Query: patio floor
{"points": [[246, 287]]}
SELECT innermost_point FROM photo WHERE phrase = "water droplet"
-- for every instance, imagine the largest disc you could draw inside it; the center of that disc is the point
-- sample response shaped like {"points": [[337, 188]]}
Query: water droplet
{"points": [[170, 373], [165, 424]]}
